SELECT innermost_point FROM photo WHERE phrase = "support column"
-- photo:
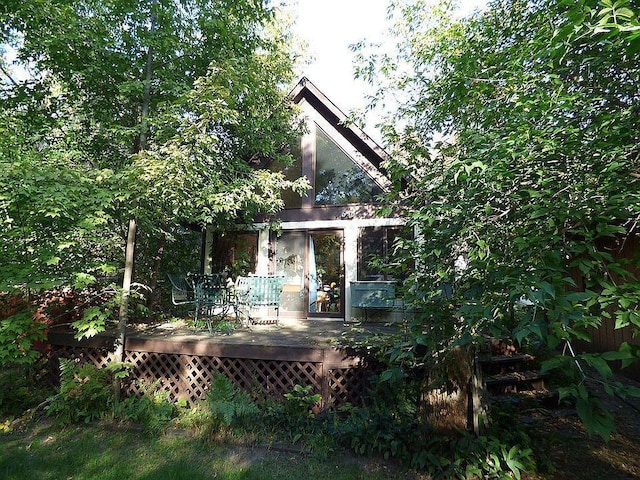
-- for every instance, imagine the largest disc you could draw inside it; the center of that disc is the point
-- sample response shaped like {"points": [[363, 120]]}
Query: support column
{"points": [[350, 266], [206, 255], [262, 268]]}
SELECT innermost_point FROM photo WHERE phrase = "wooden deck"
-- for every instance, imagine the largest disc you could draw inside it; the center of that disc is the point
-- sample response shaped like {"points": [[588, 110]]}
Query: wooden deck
{"points": [[292, 333], [266, 360]]}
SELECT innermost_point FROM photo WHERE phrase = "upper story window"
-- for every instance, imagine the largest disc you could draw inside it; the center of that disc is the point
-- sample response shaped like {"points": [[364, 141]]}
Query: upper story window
{"points": [[339, 180], [291, 172]]}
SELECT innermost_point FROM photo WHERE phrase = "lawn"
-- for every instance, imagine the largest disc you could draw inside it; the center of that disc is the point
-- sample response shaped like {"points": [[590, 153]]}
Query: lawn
{"points": [[196, 444], [46, 451]]}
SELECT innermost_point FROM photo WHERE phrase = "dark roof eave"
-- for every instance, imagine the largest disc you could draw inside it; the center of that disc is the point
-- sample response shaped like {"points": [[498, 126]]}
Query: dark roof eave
{"points": [[338, 119]]}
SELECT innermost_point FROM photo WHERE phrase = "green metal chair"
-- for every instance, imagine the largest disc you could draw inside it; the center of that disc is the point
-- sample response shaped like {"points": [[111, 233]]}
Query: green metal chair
{"points": [[213, 299], [257, 291], [181, 290]]}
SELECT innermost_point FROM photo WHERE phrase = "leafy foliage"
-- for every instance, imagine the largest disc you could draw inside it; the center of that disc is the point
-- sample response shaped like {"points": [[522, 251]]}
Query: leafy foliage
{"points": [[230, 406], [152, 408], [85, 393], [393, 427], [18, 334], [73, 126], [301, 401], [516, 158], [54, 213], [23, 387]]}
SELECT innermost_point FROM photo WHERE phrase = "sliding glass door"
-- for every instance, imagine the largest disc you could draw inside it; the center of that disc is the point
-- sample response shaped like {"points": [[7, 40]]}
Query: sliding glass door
{"points": [[313, 265], [326, 273]]}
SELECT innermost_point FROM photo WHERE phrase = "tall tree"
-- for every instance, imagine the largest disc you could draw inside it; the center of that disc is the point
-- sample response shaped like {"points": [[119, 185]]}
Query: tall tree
{"points": [[516, 133], [72, 130]]}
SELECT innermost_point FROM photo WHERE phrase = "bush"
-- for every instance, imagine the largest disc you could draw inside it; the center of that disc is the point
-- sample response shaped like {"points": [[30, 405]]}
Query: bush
{"points": [[153, 408], [374, 431], [230, 407], [23, 387], [85, 394], [503, 452], [295, 412]]}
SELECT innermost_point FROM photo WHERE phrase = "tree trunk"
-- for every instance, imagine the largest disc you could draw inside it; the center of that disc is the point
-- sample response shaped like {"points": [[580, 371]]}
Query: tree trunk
{"points": [[124, 302], [131, 235], [126, 286]]}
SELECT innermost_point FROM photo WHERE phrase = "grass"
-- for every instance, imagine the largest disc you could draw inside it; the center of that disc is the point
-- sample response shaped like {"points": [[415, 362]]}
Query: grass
{"points": [[47, 451], [42, 449]]}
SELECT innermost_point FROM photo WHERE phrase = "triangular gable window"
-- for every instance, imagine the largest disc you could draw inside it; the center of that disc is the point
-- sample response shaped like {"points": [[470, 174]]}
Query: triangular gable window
{"points": [[339, 180], [291, 172]]}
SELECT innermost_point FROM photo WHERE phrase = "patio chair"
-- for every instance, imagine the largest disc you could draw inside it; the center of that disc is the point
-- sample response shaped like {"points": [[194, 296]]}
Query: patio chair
{"points": [[257, 291], [181, 290], [213, 299]]}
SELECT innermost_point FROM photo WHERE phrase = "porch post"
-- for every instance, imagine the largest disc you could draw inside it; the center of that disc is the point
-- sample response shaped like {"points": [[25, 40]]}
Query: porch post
{"points": [[350, 265], [262, 268], [206, 255]]}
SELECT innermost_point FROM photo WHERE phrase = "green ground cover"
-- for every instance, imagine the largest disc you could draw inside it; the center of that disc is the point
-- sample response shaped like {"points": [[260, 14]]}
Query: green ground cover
{"points": [[47, 451]]}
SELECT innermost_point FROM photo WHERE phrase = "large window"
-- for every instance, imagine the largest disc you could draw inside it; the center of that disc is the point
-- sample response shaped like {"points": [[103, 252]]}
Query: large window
{"points": [[375, 246], [235, 253], [291, 172], [340, 181]]}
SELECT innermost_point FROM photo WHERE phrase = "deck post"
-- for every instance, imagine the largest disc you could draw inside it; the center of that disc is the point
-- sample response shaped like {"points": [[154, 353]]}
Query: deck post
{"points": [[324, 381]]}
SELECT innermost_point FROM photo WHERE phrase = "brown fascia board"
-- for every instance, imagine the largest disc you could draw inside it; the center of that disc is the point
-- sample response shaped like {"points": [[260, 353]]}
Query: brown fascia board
{"points": [[337, 118]]}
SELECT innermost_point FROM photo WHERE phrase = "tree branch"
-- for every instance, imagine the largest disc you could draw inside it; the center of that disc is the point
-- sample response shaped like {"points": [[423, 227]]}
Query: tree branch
{"points": [[8, 75]]}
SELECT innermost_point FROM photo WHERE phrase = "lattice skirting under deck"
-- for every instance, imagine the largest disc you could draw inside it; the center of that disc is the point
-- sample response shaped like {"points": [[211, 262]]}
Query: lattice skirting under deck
{"points": [[188, 377]]}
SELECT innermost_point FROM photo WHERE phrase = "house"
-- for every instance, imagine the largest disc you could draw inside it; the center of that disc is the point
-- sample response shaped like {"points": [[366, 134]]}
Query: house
{"points": [[325, 239]]}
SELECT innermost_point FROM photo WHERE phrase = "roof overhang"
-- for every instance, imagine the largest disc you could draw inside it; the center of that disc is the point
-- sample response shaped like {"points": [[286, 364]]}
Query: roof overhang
{"points": [[306, 90]]}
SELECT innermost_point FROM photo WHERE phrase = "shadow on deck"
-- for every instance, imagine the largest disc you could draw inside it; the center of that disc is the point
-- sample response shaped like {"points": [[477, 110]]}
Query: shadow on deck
{"points": [[291, 333]]}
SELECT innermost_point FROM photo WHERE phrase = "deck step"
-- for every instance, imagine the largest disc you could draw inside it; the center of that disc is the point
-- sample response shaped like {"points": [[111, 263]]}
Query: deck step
{"points": [[507, 359], [528, 399], [515, 381]]}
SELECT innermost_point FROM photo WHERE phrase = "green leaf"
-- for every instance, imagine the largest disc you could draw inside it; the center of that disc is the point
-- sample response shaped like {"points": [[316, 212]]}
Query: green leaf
{"points": [[547, 288], [52, 261], [599, 363]]}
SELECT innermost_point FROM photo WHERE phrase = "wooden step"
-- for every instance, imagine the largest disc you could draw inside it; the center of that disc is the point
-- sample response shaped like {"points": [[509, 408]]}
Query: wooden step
{"points": [[528, 399], [506, 364], [506, 359], [515, 381]]}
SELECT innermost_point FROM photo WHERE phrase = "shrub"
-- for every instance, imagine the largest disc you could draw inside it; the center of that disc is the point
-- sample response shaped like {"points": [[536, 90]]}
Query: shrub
{"points": [[85, 394], [380, 431], [230, 407], [23, 387], [152, 408]]}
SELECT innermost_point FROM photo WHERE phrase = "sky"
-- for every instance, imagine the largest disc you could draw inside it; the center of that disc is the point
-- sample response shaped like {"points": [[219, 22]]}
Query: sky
{"points": [[329, 27]]}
